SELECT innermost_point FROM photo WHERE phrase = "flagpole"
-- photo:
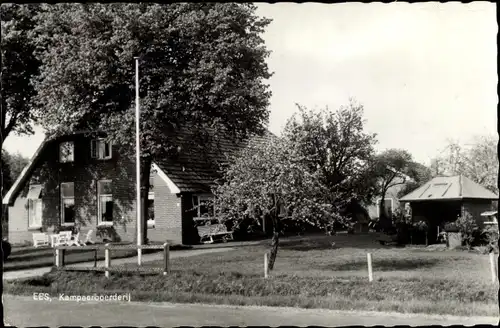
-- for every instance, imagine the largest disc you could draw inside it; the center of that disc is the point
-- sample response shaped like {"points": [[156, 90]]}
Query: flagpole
{"points": [[138, 164]]}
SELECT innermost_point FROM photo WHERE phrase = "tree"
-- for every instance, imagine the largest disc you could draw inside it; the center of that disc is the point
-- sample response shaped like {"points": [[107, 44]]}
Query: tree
{"points": [[477, 160], [420, 174], [273, 179], [19, 67], [6, 172], [17, 162], [6, 183], [392, 168], [336, 144], [202, 68]]}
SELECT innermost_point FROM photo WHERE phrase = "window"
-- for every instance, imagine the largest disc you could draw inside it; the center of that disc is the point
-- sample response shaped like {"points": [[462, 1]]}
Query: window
{"points": [[204, 206], [100, 149], [388, 206], [104, 203], [67, 203], [34, 206], [66, 152]]}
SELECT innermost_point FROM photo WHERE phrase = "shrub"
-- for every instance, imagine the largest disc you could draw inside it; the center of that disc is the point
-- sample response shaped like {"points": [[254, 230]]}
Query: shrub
{"points": [[490, 238], [443, 237], [451, 227], [420, 226], [467, 226]]}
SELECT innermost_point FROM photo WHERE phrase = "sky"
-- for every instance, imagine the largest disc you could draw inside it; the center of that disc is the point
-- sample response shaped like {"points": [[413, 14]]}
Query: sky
{"points": [[425, 73]]}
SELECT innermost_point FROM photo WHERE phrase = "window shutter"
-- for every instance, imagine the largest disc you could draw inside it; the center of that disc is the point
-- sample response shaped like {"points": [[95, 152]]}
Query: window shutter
{"points": [[93, 149], [107, 149]]}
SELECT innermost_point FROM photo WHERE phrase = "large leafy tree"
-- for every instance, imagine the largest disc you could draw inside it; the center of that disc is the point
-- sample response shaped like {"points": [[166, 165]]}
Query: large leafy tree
{"points": [[19, 66], [202, 67], [392, 167], [273, 179], [336, 144], [477, 160], [419, 173], [16, 163], [6, 172]]}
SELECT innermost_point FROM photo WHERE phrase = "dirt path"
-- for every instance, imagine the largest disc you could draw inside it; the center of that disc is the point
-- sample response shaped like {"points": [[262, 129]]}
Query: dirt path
{"points": [[24, 311]]}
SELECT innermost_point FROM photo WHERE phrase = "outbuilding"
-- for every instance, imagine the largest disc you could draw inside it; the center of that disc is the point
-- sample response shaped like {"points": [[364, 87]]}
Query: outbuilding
{"points": [[444, 199]]}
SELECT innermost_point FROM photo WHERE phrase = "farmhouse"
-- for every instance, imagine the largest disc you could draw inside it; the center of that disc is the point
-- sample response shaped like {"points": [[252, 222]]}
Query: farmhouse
{"points": [[443, 199], [82, 182], [391, 199]]}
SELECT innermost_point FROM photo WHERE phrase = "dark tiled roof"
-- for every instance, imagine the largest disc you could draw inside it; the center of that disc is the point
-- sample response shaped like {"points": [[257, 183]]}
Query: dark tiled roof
{"points": [[197, 164]]}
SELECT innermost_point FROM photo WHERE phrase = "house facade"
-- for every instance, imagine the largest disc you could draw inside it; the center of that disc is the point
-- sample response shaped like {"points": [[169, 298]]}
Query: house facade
{"points": [[81, 182], [391, 199]]}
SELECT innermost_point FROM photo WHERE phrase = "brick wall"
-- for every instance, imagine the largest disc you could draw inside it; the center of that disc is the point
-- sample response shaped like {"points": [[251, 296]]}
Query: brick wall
{"points": [[84, 172], [18, 222], [167, 207], [475, 208]]}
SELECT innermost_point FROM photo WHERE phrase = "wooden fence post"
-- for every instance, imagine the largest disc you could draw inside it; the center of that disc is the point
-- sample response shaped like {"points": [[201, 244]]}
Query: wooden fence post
{"points": [[493, 268], [59, 257], [107, 260], [166, 259], [266, 267], [370, 273]]}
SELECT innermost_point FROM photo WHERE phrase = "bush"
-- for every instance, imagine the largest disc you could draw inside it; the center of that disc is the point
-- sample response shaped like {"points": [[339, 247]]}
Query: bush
{"points": [[489, 238], [468, 228], [451, 227], [420, 226], [443, 237]]}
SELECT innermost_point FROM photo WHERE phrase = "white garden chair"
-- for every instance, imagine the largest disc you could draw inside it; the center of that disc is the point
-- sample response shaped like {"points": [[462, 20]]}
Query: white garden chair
{"points": [[40, 239], [74, 240], [63, 238], [88, 238]]}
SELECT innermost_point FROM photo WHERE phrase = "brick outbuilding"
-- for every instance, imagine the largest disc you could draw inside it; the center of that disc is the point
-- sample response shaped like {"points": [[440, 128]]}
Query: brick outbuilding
{"points": [[443, 199]]}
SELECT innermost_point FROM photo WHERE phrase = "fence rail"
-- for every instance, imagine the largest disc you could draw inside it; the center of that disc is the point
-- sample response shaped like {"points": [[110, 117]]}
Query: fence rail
{"points": [[110, 246], [60, 251]]}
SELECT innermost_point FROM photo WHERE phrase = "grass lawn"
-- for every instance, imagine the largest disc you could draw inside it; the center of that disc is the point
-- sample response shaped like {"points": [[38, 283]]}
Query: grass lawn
{"points": [[308, 273]]}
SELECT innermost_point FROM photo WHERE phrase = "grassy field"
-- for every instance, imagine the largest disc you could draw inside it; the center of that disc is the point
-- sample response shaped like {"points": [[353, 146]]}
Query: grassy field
{"points": [[308, 273]]}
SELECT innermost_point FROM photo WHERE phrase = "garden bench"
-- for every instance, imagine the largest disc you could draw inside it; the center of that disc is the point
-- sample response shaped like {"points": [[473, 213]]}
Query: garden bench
{"points": [[40, 239], [209, 231]]}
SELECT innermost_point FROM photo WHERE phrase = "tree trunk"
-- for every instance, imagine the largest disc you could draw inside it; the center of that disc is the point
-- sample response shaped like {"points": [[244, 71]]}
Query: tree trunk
{"points": [[274, 243], [383, 219], [145, 173]]}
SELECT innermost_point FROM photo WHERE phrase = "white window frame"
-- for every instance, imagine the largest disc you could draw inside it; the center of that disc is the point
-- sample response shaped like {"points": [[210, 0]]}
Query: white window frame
{"points": [[99, 212], [71, 157], [203, 198], [378, 205], [63, 223], [97, 149], [34, 211]]}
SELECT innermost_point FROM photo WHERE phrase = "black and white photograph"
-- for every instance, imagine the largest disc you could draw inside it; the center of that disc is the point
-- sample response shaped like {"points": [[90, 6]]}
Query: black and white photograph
{"points": [[249, 164]]}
